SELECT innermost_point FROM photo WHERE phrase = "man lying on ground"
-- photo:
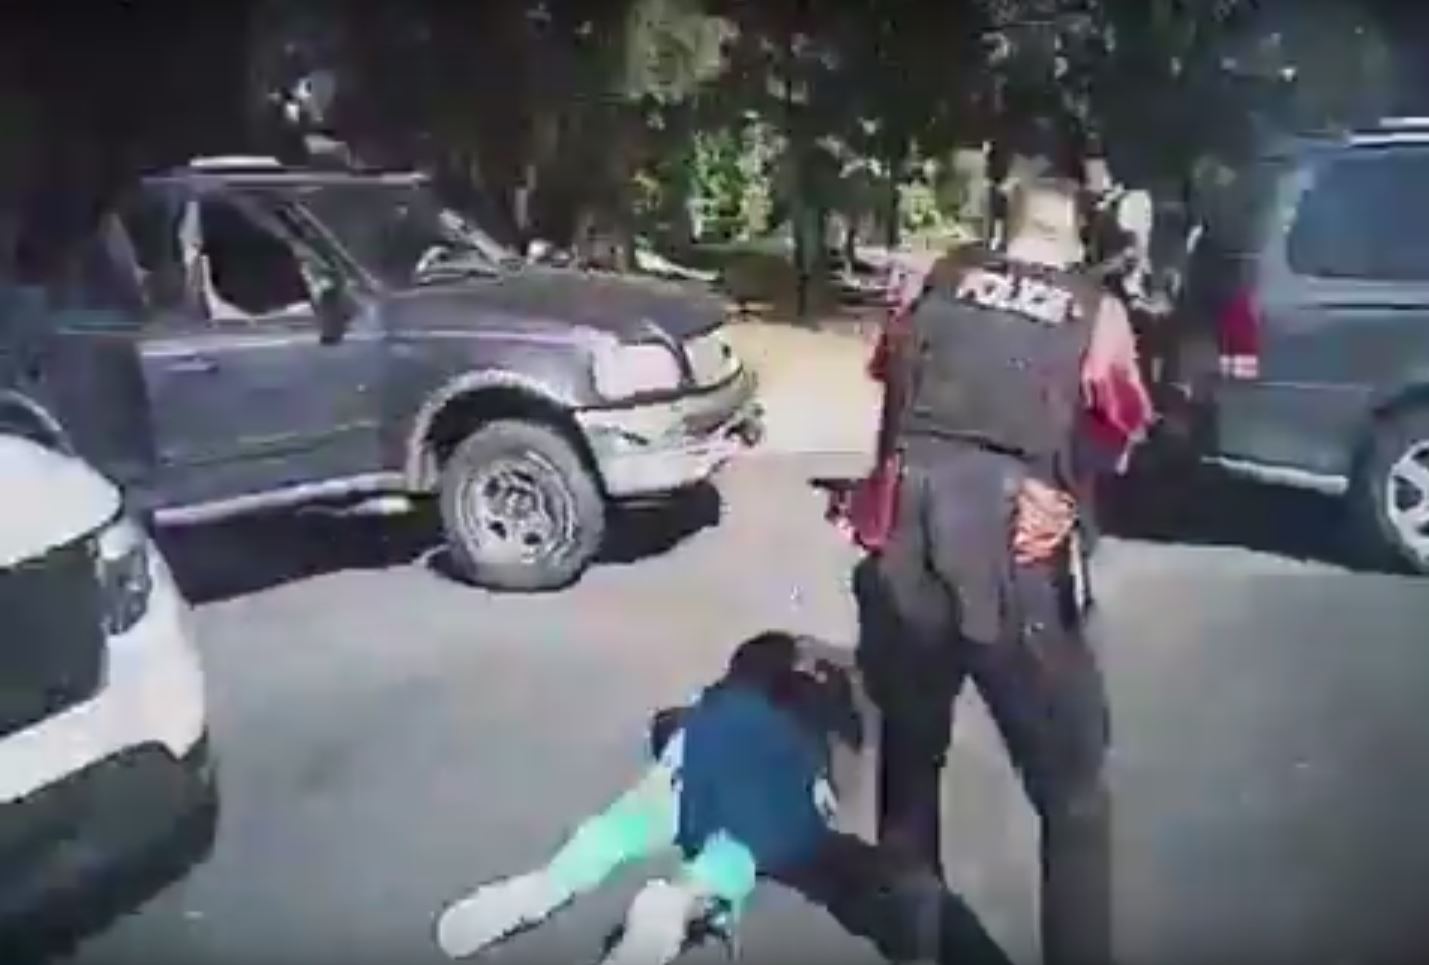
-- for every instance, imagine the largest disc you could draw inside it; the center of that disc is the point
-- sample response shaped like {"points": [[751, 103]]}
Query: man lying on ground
{"points": [[741, 788]]}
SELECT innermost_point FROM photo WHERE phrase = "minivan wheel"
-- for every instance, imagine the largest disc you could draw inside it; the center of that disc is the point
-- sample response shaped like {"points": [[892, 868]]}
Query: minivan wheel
{"points": [[520, 509], [1392, 490]]}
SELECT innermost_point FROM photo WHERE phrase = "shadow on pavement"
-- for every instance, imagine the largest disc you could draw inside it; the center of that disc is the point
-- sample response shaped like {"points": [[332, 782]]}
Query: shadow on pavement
{"points": [[1214, 509], [642, 531], [234, 558]]}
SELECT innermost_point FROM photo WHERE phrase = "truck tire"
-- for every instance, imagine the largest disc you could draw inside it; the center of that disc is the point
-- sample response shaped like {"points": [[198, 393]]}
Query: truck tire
{"points": [[1391, 492], [520, 508]]}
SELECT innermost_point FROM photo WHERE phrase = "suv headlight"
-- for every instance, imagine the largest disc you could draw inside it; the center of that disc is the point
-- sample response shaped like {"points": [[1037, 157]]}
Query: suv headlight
{"points": [[125, 582], [622, 371]]}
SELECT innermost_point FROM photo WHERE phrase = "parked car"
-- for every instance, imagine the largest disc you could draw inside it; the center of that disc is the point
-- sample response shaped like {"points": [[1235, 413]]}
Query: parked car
{"points": [[1301, 343], [106, 784], [239, 336], [864, 278]]}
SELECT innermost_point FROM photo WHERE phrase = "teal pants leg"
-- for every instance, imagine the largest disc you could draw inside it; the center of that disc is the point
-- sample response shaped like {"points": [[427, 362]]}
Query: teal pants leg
{"points": [[643, 822], [723, 870], [639, 824]]}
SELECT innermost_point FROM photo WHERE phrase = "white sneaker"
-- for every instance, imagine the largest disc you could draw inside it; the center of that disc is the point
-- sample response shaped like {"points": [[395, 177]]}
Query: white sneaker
{"points": [[655, 927], [497, 911]]}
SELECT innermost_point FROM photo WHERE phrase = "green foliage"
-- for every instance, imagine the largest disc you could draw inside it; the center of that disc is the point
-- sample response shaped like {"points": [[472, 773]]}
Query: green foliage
{"points": [[731, 190], [919, 208], [735, 114], [671, 47]]}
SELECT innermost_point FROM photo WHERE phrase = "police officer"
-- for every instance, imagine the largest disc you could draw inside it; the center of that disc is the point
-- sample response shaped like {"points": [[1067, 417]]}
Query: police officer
{"points": [[977, 579]]}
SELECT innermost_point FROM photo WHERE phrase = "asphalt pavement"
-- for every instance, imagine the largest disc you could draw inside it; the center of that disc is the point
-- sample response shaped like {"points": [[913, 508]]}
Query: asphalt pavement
{"points": [[389, 738]]}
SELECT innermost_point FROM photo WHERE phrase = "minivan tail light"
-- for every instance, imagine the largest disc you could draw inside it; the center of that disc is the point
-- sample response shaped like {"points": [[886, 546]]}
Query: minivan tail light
{"points": [[1239, 330]]}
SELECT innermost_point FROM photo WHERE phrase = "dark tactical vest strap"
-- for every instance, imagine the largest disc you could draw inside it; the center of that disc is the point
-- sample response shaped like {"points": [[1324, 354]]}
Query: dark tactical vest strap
{"points": [[996, 357]]}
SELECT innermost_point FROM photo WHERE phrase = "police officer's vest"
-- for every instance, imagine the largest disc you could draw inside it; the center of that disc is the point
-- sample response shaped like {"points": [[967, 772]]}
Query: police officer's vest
{"points": [[995, 358]]}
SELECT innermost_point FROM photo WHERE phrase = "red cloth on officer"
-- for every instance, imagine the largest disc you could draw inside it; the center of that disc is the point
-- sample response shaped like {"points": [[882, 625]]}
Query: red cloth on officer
{"points": [[1117, 414]]}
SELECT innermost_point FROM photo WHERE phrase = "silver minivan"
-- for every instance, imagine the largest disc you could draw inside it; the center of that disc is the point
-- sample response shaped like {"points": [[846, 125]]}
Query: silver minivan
{"points": [[1302, 336]]}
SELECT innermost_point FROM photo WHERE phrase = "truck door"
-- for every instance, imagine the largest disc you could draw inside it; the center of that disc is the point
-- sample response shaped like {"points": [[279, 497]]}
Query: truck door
{"points": [[78, 356], [245, 395]]}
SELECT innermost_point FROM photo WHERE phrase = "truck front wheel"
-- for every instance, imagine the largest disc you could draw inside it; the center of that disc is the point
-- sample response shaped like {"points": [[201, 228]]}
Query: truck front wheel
{"points": [[520, 508]]}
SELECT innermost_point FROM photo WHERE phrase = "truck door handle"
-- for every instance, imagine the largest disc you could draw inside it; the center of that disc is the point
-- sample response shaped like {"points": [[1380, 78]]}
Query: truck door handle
{"points": [[200, 364]]}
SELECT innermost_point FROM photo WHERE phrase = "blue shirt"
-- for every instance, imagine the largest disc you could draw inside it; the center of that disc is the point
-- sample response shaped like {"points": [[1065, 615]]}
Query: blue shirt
{"points": [[751, 769]]}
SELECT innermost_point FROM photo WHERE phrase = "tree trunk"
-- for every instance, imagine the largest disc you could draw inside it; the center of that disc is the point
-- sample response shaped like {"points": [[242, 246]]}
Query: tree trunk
{"points": [[521, 197], [798, 204], [894, 158], [892, 214], [620, 207]]}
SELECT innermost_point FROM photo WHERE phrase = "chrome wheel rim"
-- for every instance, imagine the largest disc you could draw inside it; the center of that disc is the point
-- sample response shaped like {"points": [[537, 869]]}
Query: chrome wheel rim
{"points": [[517, 510], [1407, 499]]}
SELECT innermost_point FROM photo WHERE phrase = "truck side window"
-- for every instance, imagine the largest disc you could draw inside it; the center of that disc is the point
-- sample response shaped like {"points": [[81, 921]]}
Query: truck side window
{"points": [[1358, 221], [251, 271]]}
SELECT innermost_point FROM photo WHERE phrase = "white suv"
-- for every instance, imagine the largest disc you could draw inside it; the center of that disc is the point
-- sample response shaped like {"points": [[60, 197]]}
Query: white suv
{"points": [[106, 789]]}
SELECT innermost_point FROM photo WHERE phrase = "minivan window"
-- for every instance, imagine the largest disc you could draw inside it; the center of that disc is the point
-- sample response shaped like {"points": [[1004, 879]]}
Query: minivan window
{"points": [[1358, 220]]}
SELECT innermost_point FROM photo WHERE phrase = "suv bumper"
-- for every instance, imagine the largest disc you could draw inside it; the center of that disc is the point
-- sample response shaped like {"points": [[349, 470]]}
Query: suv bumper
{"points": [[664, 446], [78, 853]]}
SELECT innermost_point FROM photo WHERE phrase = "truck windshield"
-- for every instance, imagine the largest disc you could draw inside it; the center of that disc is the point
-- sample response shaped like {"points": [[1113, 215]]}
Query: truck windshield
{"points": [[401, 233]]}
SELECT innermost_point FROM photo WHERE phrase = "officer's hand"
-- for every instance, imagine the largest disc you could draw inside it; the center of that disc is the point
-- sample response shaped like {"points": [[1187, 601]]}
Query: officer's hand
{"points": [[1043, 520]]}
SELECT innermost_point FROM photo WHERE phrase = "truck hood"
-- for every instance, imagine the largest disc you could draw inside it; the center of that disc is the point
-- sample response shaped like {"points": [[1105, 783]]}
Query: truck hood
{"points": [[617, 304], [47, 500]]}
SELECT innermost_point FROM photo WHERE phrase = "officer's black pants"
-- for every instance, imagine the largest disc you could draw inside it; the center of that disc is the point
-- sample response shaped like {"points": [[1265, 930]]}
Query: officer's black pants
{"points": [[908, 917], [1045, 692]]}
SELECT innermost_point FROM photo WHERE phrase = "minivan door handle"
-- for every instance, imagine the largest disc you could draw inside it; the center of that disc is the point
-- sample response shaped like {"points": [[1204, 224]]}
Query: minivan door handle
{"points": [[200, 364]]}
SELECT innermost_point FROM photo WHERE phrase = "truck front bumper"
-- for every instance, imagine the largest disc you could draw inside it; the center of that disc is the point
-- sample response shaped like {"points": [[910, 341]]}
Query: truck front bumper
{"points": [[660, 447]]}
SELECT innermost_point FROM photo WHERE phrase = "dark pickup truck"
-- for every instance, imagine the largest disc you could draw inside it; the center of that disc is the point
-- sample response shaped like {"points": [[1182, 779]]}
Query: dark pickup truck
{"points": [[240, 336]]}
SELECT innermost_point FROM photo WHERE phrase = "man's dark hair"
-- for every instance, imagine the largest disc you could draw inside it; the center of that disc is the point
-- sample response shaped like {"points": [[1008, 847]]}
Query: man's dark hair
{"points": [[822, 699], [820, 696], [766, 661]]}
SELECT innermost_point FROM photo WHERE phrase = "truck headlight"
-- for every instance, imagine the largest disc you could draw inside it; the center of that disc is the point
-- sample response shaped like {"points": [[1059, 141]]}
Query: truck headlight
{"points": [[125, 581], [712, 359], [622, 371]]}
